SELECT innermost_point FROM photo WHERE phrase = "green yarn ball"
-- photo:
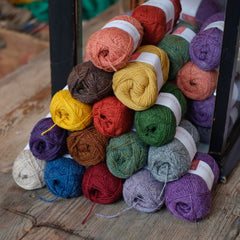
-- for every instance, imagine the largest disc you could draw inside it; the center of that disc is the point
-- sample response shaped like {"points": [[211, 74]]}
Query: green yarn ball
{"points": [[177, 49], [156, 126], [126, 155]]}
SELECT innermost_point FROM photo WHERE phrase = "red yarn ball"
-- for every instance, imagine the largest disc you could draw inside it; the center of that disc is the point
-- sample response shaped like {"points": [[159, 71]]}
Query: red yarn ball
{"points": [[100, 186], [153, 20], [111, 117]]}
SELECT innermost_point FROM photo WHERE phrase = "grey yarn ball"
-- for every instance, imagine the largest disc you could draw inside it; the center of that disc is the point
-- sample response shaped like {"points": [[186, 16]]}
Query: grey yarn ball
{"points": [[171, 161]]}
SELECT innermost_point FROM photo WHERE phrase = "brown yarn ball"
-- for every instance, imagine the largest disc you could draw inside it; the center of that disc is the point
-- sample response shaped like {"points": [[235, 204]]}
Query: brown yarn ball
{"points": [[89, 84], [87, 147]]}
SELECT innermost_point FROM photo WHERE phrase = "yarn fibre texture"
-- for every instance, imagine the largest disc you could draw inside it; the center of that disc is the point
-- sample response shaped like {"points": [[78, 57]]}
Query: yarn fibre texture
{"points": [[171, 161], [143, 192], [156, 126], [63, 177], [206, 47], [100, 186], [177, 48], [153, 20], [28, 171], [189, 198], [195, 83], [136, 84], [89, 84], [126, 155], [68, 113], [112, 118], [110, 48], [50, 145], [88, 146]]}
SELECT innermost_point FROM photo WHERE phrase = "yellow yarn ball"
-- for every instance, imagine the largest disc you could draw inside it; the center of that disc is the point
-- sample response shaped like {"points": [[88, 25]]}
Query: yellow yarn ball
{"points": [[136, 84], [68, 113]]}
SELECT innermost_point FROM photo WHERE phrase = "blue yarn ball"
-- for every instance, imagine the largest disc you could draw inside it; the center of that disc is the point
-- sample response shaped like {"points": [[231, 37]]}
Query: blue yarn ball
{"points": [[63, 177]]}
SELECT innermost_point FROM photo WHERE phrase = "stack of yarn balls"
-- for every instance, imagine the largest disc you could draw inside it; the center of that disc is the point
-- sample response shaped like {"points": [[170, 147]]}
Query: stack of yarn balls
{"points": [[126, 124]]}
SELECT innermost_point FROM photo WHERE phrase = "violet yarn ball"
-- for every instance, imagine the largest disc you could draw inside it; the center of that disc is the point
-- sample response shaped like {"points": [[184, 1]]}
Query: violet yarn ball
{"points": [[143, 192], [189, 198], [51, 144], [205, 48], [63, 177], [200, 112], [204, 133]]}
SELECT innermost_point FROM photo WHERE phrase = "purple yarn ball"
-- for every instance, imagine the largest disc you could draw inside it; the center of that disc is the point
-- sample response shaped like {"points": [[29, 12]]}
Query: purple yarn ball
{"points": [[204, 133], [189, 198], [50, 145], [205, 48], [143, 192], [201, 112]]}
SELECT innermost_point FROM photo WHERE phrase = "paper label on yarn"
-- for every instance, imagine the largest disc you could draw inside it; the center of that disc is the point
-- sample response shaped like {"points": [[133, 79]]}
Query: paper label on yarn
{"points": [[67, 156], [203, 170], [168, 8], [217, 24], [187, 140], [65, 88], [189, 10], [127, 27], [27, 147], [185, 33], [151, 59], [170, 101]]}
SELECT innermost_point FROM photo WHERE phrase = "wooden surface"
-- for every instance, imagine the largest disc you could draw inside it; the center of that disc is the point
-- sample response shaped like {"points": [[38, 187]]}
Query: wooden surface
{"points": [[25, 99]]}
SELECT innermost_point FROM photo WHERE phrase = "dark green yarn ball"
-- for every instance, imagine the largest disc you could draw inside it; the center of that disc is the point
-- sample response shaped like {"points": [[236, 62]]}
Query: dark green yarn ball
{"points": [[177, 49], [126, 155], [156, 126]]}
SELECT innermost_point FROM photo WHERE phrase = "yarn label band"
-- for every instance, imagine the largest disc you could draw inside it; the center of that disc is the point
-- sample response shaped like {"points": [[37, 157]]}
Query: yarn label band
{"points": [[151, 59], [127, 27], [203, 170], [217, 24], [187, 140], [170, 101], [189, 10], [168, 8], [185, 33]]}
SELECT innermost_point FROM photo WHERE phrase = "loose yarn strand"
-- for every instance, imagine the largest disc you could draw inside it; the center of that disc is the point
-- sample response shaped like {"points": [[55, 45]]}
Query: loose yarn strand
{"points": [[48, 201], [49, 129], [90, 211]]}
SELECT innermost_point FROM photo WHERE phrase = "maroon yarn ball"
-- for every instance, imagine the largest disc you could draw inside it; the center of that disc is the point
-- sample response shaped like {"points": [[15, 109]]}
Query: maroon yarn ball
{"points": [[50, 145], [189, 198]]}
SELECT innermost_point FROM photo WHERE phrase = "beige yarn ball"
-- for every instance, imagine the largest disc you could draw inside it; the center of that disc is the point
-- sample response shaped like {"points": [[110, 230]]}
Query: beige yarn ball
{"points": [[28, 171]]}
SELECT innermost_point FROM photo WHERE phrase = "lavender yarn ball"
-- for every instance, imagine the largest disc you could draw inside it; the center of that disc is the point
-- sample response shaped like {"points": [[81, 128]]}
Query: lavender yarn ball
{"points": [[171, 161], [189, 198], [143, 192], [201, 112], [50, 145], [205, 48]]}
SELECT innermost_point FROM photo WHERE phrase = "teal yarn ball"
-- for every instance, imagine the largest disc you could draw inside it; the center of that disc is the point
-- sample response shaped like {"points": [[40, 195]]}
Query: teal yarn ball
{"points": [[126, 154], [63, 177], [177, 49], [156, 126]]}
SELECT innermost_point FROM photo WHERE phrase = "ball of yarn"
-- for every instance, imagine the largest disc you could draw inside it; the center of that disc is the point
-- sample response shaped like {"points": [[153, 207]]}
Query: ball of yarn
{"points": [[157, 125], [51, 144], [137, 85], [126, 155], [189, 198], [89, 84], [176, 45], [204, 134], [88, 146], [100, 186], [171, 161], [201, 112], [198, 13], [68, 113], [195, 83], [205, 48], [63, 177], [112, 118], [111, 47], [143, 192], [157, 18], [28, 171]]}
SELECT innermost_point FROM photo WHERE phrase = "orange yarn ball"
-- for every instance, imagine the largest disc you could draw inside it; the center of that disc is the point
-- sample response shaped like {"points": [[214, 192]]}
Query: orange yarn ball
{"points": [[111, 47], [195, 83]]}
